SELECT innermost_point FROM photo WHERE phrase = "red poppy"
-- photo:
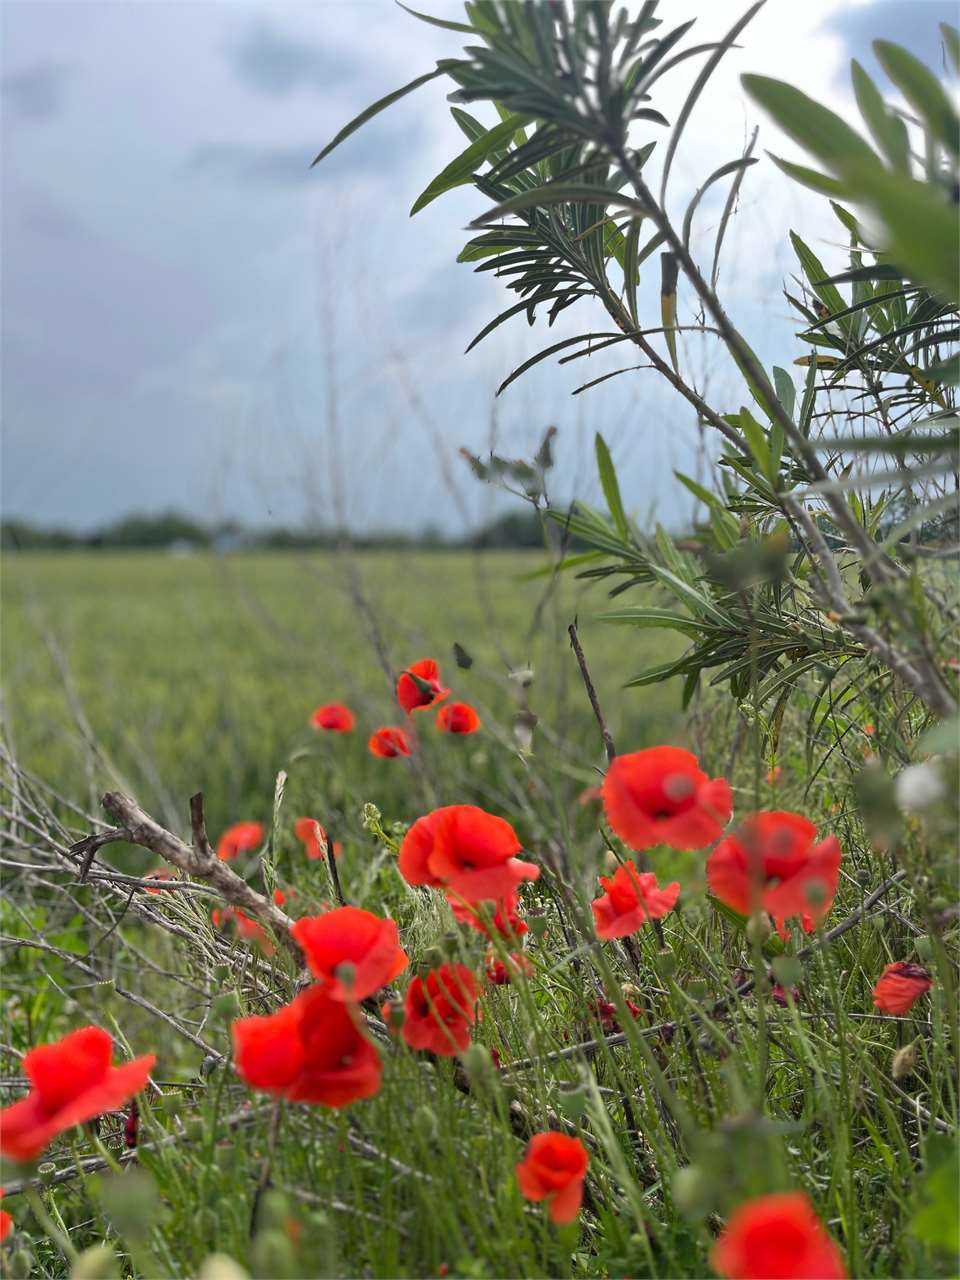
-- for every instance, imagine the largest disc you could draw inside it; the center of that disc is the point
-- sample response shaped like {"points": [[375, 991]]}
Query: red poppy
{"points": [[661, 796], [311, 1050], [900, 986], [246, 928], [501, 973], [631, 898], [457, 717], [772, 864], [466, 850], [313, 836], [419, 686], [281, 896], [505, 920], [553, 1170], [158, 873], [606, 1014], [241, 836], [777, 1237], [774, 775], [389, 741], [6, 1222], [440, 1009], [72, 1080], [334, 717], [367, 946]]}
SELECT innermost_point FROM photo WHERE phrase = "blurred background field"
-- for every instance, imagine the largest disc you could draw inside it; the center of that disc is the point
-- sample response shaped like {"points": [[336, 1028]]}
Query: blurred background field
{"points": [[162, 674]]}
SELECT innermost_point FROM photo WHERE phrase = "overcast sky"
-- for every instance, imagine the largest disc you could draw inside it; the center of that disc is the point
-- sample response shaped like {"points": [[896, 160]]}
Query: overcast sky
{"points": [[193, 318]]}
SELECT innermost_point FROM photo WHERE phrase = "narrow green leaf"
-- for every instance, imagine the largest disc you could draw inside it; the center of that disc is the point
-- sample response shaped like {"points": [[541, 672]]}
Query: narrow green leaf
{"points": [[892, 141], [818, 182], [439, 22], [460, 170], [611, 487], [786, 391], [922, 90], [815, 127], [549, 351], [374, 110]]}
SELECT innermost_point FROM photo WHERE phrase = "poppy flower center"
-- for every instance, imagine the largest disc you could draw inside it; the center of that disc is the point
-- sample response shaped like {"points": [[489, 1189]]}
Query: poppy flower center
{"points": [[678, 787]]}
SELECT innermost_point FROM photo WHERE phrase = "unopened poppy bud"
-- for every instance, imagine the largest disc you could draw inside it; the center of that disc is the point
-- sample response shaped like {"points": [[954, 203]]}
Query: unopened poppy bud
{"points": [[370, 818], [271, 1254], [538, 925], [221, 972], [692, 1191], [209, 1065], [572, 1100], [698, 989], [46, 1172], [816, 893], [99, 1262], [21, 1263], [226, 1007], [425, 1123], [220, 1266], [394, 1014], [274, 1209], [759, 928], [904, 1061], [924, 947], [345, 973], [863, 877], [479, 1068], [172, 1104], [787, 970], [666, 963]]}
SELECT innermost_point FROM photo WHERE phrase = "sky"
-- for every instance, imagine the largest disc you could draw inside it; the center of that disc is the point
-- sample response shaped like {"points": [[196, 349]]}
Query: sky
{"points": [[193, 318]]}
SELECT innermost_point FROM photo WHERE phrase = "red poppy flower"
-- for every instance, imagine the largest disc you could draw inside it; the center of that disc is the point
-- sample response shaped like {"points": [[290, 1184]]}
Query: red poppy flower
{"points": [[282, 896], [631, 898], [440, 1009], [334, 717], [389, 741], [419, 686], [501, 973], [661, 796], [311, 1050], [457, 717], [158, 873], [348, 936], [774, 775], [777, 1237], [772, 864], [900, 986], [241, 836], [606, 1014], [466, 850], [505, 920], [6, 1222], [246, 928], [553, 1170], [313, 836], [72, 1080]]}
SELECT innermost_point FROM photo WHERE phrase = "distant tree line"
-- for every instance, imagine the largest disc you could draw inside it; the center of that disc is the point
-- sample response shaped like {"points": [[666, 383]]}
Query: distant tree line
{"points": [[170, 530]]}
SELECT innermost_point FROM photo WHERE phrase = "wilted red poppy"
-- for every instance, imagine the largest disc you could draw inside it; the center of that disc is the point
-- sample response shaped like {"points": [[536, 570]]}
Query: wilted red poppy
{"points": [[313, 836], [631, 898], [505, 920], [419, 686], [353, 952], [772, 864], [158, 873], [72, 1080], [389, 741], [440, 1009], [606, 1014], [311, 1050], [466, 850], [661, 796], [553, 1169], [774, 775], [239, 837], [501, 973], [777, 1237], [334, 717], [458, 717], [900, 986]]}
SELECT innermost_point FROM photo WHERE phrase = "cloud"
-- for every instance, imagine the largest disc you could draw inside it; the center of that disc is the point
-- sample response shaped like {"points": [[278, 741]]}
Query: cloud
{"points": [[911, 23], [36, 93], [248, 162], [276, 65], [45, 214]]}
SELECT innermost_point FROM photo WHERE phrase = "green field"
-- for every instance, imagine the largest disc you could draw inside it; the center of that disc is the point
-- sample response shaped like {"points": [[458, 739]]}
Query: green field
{"points": [[164, 675]]}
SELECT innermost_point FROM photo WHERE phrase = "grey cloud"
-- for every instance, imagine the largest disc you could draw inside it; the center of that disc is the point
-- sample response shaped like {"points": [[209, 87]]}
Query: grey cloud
{"points": [[911, 23], [45, 214], [37, 92], [276, 65], [244, 162]]}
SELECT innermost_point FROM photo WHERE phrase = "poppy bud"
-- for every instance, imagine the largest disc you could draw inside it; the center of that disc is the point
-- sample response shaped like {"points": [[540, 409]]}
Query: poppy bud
{"points": [[21, 1263], [480, 1070], [425, 1123], [692, 1193], [787, 970], [274, 1209], [220, 1266], [538, 925], [666, 963], [46, 1172], [924, 947], [226, 1007], [345, 973], [863, 876], [370, 818], [271, 1255], [816, 893], [221, 972], [99, 1262], [904, 1061], [697, 989], [759, 928], [572, 1100]]}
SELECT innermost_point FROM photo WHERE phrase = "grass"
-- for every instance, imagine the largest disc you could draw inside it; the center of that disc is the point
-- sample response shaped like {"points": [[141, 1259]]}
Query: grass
{"points": [[164, 676]]}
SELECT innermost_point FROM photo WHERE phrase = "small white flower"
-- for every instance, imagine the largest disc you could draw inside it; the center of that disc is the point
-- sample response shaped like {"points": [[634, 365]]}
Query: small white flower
{"points": [[918, 787]]}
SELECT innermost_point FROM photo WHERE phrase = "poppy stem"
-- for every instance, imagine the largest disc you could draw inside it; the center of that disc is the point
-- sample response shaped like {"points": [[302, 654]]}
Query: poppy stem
{"points": [[591, 691]]}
